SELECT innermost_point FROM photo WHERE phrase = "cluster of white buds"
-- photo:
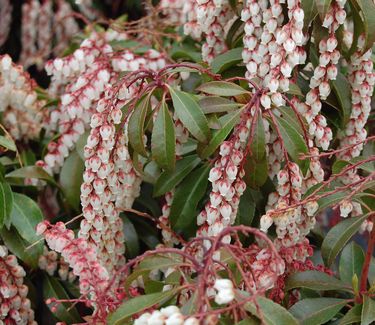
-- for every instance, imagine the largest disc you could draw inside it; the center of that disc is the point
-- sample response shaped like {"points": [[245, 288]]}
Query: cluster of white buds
{"points": [[213, 16], [65, 25], [15, 308], [361, 79], [108, 173], [51, 262], [225, 291], [170, 315], [22, 111], [274, 151], [325, 71], [30, 12], [5, 20], [315, 173], [272, 50], [191, 26], [81, 257], [227, 184], [172, 10], [168, 238], [265, 268]]}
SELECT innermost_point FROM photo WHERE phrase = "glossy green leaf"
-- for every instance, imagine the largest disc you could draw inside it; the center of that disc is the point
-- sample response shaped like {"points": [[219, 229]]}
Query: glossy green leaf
{"points": [[352, 316], [170, 179], [342, 91], [136, 305], [316, 311], [322, 7], [186, 198], [226, 60], [25, 216], [258, 144], [294, 143], [6, 204], [71, 179], [213, 104], [52, 288], [21, 248], [220, 135], [315, 280], [368, 311], [256, 172], [351, 262], [136, 126], [82, 140], [7, 143], [158, 262], [131, 238], [330, 200], [190, 114], [163, 140], [271, 313], [310, 10], [338, 237], [222, 88], [368, 15], [32, 172]]}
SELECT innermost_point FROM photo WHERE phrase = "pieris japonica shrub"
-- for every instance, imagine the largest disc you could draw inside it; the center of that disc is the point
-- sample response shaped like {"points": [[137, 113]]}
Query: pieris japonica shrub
{"points": [[212, 162]]}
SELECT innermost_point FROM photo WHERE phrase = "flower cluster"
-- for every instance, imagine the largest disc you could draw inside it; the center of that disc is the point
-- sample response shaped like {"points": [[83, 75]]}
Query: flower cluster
{"points": [[170, 315], [212, 17], [93, 277], [22, 111], [50, 262], [15, 307], [191, 26], [5, 21]]}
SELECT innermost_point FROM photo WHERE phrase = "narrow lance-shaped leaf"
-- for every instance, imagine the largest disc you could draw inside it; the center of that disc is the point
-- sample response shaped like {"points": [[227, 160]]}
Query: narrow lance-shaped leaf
{"points": [[169, 179], [220, 135], [368, 311], [352, 316], [186, 198], [226, 60], [136, 125], [368, 14], [163, 140], [7, 143], [190, 114], [32, 172], [338, 237], [222, 88], [341, 89], [351, 262], [6, 204], [316, 311]]}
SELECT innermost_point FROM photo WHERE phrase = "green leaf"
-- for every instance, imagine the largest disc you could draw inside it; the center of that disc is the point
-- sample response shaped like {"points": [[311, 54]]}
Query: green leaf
{"points": [[52, 288], [352, 316], [368, 311], [371, 272], [316, 311], [256, 172], [170, 179], [190, 114], [163, 140], [32, 172], [258, 144], [322, 7], [25, 216], [158, 262], [131, 238], [342, 91], [351, 262], [315, 280], [338, 237], [82, 140], [270, 312], [368, 15], [19, 247], [136, 125], [187, 196], [220, 135], [226, 60], [7, 143], [137, 304], [6, 204], [295, 90], [71, 179], [294, 143], [215, 104], [330, 200], [309, 8], [222, 88]]}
